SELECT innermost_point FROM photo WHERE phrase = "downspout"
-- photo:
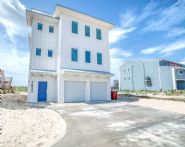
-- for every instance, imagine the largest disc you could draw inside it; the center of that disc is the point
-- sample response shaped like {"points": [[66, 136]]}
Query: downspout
{"points": [[159, 70], [174, 79], [144, 74]]}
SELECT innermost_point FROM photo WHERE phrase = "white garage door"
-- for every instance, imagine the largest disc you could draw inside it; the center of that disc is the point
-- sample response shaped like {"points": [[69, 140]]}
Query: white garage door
{"points": [[74, 91], [98, 91]]}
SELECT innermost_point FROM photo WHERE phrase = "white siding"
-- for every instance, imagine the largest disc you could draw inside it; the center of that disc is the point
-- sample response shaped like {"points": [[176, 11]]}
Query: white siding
{"points": [[83, 43], [45, 40]]}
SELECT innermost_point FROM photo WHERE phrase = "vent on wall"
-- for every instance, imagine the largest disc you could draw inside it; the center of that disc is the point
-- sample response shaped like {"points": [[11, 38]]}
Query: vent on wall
{"points": [[148, 82]]}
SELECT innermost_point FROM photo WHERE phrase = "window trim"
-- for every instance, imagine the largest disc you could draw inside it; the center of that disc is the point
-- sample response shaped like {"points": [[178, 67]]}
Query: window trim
{"points": [[51, 28], [39, 24], [72, 29], [51, 51], [101, 58], [74, 49], [87, 31], [38, 52], [89, 56], [179, 72], [97, 32]]}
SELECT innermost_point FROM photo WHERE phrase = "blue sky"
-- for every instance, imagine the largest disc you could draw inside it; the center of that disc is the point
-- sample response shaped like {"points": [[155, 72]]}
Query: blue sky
{"points": [[143, 29]]}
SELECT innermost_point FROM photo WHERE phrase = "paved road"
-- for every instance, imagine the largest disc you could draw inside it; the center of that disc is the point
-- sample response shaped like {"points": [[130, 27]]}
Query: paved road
{"points": [[120, 124]]}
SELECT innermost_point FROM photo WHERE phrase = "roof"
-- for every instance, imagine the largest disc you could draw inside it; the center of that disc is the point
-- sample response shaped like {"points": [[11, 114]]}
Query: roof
{"points": [[62, 9], [59, 9]]}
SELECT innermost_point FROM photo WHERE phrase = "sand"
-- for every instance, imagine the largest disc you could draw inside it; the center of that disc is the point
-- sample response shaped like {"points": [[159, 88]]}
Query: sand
{"points": [[172, 106], [24, 126]]}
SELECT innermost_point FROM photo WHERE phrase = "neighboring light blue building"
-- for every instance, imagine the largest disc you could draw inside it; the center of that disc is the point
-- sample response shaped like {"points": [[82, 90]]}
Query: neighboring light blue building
{"points": [[154, 74]]}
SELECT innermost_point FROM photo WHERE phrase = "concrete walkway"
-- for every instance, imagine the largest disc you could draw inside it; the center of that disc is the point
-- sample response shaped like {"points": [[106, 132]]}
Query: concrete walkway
{"points": [[120, 124]]}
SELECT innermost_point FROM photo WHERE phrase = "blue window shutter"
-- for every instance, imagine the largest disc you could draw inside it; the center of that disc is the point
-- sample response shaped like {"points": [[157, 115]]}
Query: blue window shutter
{"points": [[87, 56], [38, 51], [51, 29], [87, 31], [74, 54], [98, 34], [39, 26], [99, 58], [74, 27], [50, 53]]}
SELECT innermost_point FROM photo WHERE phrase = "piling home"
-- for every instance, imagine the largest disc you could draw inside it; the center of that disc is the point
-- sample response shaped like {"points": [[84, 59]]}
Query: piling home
{"points": [[155, 74], [69, 56]]}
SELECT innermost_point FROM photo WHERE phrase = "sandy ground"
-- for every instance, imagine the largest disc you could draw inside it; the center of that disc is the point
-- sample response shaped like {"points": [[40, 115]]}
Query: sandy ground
{"points": [[24, 126], [172, 106]]}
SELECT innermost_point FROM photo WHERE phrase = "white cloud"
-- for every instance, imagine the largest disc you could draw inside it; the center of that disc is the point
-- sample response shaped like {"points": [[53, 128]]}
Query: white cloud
{"points": [[129, 21], [119, 53], [151, 50], [15, 63], [14, 56], [118, 33], [12, 17], [182, 61], [165, 49], [175, 32], [167, 18]]}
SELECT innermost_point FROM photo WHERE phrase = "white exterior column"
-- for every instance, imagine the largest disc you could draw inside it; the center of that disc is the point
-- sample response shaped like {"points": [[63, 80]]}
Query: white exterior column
{"points": [[174, 79], [87, 93], [108, 90], [59, 87]]}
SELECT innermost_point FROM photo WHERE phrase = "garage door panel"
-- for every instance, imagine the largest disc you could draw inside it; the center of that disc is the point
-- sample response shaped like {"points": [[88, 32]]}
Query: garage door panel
{"points": [[74, 91], [98, 91]]}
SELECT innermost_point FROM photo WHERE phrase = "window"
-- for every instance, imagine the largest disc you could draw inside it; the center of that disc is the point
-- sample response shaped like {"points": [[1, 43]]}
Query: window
{"points": [[129, 78], [180, 72], [74, 54], [39, 26], [51, 29], [50, 53], [87, 31], [125, 78], [38, 51], [74, 27], [99, 58], [98, 34], [87, 57], [129, 69]]}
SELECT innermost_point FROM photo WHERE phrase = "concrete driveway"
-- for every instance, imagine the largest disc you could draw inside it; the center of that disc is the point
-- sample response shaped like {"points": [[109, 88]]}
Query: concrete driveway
{"points": [[120, 124]]}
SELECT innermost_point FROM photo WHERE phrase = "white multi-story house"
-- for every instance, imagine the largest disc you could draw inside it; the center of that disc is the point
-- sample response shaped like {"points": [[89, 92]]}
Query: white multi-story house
{"points": [[69, 57]]}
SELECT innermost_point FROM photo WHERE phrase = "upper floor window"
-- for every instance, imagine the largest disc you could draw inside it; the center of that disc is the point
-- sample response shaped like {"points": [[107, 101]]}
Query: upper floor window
{"points": [[38, 51], [51, 29], [180, 72], [74, 27], [98, 34], [99, 58], [87, 31], [50, 53], [74, 54], [39, 26], [87, 56]]}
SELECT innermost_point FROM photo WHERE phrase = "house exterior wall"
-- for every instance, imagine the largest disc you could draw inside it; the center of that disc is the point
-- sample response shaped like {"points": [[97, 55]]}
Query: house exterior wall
{"points": [[46, 41], [51, 87], [82, 43], [87, 81], [159, 71], [61, 41], [166, 78], [178, 75]]}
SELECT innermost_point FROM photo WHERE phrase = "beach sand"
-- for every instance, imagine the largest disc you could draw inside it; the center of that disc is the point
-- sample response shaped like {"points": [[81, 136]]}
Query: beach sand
{"points": [[25, 126]]}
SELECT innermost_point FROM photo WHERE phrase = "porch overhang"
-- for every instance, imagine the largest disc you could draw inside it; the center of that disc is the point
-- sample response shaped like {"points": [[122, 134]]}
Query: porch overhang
{"points": [[87, 73], [43, 72]]}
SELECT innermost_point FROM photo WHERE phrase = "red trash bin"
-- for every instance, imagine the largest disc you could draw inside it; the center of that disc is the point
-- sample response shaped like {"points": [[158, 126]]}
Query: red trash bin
{"points": [[114, 95]]}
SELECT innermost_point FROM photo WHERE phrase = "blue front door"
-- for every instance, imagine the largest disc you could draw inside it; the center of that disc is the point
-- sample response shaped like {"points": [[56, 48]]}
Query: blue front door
{"points": [[42, 91]]}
